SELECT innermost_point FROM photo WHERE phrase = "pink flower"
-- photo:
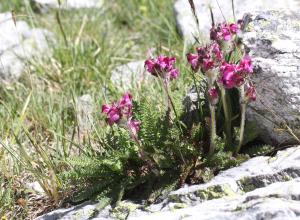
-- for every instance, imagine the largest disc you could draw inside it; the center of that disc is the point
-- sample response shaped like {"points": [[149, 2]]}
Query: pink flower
{"points": [[233, 28], [245, 66], [162, 66], [226, 34], [174, 74], [251, 93], [208, 64], [213, 96], [229, 76], [208, 57], [113, 113], [106, 108], [193, 59], [216, 50], [125, 104], [202, 52], [214, 34], [152, 67], [166, 63], [133, 126]]}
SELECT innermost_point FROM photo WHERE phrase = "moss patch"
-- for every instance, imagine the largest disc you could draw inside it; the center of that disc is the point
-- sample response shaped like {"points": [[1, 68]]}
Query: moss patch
{"points": [[215, 192], [179, 206], [123, 210]]}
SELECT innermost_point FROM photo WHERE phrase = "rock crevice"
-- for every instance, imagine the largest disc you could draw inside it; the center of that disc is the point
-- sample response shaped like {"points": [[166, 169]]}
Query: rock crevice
{"points": [[257, 189]]}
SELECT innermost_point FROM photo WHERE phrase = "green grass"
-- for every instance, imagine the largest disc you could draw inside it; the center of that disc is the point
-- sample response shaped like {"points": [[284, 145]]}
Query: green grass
{"points": [[38, 111], [39, 138]]}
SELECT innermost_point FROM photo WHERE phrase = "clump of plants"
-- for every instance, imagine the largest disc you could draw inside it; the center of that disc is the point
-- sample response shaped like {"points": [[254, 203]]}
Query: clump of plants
{"points": [[147, 145], [226, 66], [147, 148]]}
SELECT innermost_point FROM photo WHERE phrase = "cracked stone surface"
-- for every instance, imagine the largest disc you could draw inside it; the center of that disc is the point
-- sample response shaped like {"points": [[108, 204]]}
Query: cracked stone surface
{"points": [[130, 75], [45, 5], [273, 40], [261, 188], [19, 44], [83, 211], [187, 25]]}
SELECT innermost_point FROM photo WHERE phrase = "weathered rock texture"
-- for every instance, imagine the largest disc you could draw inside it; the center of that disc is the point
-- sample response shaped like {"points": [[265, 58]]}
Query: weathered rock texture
{"points": [[45, 5], [19, 44], [130, 75], [273, 40], [261, 188], [187, 25], [84, 111]]}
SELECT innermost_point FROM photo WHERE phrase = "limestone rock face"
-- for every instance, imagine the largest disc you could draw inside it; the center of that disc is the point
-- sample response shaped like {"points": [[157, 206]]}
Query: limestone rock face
{"points": [[130, 75], [18, 44], [273, 40], [84, 211], [45, 5], [261, 188], [187, 25], [84, 111]]}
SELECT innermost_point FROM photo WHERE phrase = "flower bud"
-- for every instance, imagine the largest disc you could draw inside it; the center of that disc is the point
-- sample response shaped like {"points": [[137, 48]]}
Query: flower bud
{"points": [[250, 94], [213, 96]]}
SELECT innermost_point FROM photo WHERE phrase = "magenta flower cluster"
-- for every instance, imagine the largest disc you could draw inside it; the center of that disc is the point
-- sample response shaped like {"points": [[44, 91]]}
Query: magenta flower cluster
{"points": [[163, 67], [212, 57], [233, 75], [224, 31], [121, 113], [207, 58]]}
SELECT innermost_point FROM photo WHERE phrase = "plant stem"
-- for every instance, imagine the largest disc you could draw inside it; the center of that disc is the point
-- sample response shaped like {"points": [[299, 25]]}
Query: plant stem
{"points": [[228, 140], [171, 104], [198, 96], [243, 113], [170, 101], [213, 126], [233, 10], [61, 28], [143, 155], [212, 129]]}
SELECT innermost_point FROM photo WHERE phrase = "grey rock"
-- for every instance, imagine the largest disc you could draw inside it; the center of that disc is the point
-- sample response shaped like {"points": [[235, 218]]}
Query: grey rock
{"points": [[36, 187], [187, 25], [45, 5], [255, 173], [130, 75], [84, 211], [273, 40], [84, 111], [92, 210], [244, 207], [261, 188], [18, 45]]}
